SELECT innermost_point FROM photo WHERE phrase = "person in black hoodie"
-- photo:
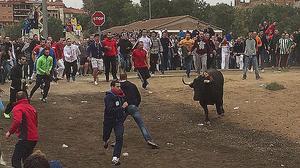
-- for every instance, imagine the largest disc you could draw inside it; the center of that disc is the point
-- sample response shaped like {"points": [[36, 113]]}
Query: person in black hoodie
{"points": [[125, 49], [114, 116], [133, 98], [18, 76]]}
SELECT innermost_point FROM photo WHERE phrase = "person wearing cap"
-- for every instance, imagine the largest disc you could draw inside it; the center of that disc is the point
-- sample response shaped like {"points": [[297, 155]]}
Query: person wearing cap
{"points": [[133, 98], [114, 116]]}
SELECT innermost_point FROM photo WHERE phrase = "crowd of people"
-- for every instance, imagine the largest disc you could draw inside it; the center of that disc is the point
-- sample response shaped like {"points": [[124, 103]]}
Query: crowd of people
{"points": [[31, 22], [146, 52], [73, 26]]}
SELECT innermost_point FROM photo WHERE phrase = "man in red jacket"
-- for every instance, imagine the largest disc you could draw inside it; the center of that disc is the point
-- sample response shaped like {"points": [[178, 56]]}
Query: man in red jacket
{"points": [[25, 127], [59, 54], [110, 56]]}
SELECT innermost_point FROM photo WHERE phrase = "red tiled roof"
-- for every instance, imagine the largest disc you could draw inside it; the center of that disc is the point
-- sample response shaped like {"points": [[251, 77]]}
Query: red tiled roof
{"points": [[164, 23], [57, 4], [73, 11]]}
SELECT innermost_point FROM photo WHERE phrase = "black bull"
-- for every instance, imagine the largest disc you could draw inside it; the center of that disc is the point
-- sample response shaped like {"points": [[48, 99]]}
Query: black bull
{"points": [[209, 90]]}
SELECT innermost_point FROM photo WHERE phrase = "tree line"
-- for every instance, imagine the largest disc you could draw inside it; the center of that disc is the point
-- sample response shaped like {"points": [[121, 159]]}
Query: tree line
{"points": [[230, 18]]}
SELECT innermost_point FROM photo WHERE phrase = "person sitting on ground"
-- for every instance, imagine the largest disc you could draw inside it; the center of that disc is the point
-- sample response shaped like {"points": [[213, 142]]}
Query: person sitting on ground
{"points": [[39, 160]]}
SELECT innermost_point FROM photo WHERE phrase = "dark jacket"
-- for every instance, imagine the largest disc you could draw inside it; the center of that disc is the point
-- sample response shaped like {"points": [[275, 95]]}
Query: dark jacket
{"points": [[239, 47], [25, 121], [18, 72], [125, 46], [113, 107], [201, 47], [32, 44], [274, 41], [132, 94], [95, 50]]}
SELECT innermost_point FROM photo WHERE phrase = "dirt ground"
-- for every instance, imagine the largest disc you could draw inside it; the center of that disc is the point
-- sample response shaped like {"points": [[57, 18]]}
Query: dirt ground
{"points": [[262, 133]]}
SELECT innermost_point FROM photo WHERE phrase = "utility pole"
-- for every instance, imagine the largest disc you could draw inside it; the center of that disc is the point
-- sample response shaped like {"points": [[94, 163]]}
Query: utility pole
{"points": [[150, 11], [45, 18]]}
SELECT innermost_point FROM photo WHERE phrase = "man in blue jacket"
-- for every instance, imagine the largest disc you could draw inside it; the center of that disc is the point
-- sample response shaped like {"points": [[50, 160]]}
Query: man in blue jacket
{"points": [[114, 115], [95, 55]]}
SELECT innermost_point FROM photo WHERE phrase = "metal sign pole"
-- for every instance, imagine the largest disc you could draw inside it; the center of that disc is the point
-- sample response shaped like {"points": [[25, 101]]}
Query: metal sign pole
{"points": [[99, 31]]}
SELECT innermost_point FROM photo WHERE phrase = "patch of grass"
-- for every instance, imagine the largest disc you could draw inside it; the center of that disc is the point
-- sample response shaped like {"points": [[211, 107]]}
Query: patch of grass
{"points": [[274, 86]]}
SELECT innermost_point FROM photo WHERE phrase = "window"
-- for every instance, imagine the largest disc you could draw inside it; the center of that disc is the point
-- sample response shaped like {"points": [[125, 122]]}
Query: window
{"points": [[3, 5]]}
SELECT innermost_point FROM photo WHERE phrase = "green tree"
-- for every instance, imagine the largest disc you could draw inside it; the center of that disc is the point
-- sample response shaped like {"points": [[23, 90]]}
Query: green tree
{"points": [[239, 21], [159, 8], [221, 15], [14, 31], [118, 12], [55, 28]]}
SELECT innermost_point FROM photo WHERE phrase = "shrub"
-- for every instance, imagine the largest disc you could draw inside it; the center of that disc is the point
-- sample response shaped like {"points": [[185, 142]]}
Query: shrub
{"points": [[274, 86]]}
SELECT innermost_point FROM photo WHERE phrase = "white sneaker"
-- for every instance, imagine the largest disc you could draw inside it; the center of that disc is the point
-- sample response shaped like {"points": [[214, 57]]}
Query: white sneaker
{"points": [[115, 161], [6, 116], [96, 83], [2, 162]]}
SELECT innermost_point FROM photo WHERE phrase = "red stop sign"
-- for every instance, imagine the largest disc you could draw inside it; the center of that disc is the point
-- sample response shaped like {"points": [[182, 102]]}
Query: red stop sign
{"points": [[98, 18]]}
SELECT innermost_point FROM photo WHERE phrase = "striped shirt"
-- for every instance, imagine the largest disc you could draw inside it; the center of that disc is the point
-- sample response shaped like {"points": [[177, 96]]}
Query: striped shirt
{"points": [[284, 46]]}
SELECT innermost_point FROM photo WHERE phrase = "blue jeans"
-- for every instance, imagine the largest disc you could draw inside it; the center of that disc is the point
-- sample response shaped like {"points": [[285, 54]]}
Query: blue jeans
{"points": [[292, 58], [188, 61], [166, 60], [263, 55], [6, 70], [253, 60], [134, 112], [118, 127], [125, 62]]}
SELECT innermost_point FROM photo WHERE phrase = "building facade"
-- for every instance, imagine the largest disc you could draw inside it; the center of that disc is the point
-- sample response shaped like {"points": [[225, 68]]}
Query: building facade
{"points": [[14, 11], [6, 13]]}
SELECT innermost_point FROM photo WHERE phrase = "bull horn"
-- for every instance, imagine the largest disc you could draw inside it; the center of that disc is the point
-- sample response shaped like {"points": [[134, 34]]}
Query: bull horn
{"points": [[185, 82]]}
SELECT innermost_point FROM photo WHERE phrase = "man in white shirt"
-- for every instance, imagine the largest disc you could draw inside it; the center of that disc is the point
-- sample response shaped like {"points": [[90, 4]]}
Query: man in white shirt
{"points": [[71, 53], [146, 40]]}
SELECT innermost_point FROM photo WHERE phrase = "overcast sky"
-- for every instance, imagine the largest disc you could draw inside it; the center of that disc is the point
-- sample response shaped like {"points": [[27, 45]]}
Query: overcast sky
{"points": [[78, 3]]}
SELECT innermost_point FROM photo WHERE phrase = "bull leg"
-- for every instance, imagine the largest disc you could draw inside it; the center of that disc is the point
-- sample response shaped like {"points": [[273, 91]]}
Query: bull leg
{"points": [[204, 106], [219, 106]]}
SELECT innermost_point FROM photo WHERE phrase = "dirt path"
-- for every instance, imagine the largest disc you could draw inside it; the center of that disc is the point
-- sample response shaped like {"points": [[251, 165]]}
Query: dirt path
{"points": [[256, 135]]}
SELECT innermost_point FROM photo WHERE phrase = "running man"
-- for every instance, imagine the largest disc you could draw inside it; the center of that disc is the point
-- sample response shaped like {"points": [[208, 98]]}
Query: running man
{"points": [[43, 66], [114, 115], [95, 55]]}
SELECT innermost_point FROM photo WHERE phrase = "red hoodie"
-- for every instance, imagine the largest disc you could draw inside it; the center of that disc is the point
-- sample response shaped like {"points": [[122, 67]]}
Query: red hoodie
{"points": [[59, 50], [271, 29], [25, 121], [139, 58], [112, 44]]}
